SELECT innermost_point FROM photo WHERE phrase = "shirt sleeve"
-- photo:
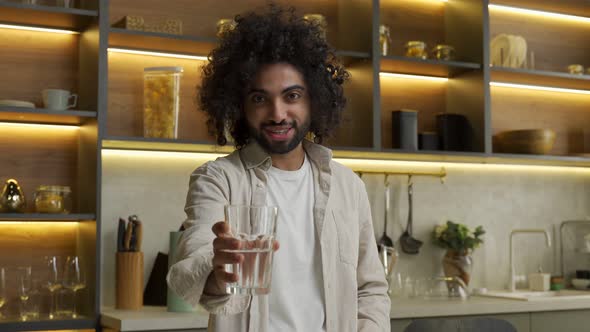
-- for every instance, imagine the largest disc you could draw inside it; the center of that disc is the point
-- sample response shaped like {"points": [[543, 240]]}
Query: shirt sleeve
{"points": [[208, 194], [374, 304]]}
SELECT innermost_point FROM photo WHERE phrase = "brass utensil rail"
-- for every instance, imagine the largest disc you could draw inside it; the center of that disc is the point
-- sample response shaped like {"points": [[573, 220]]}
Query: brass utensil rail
{"points": [[442, 174]]}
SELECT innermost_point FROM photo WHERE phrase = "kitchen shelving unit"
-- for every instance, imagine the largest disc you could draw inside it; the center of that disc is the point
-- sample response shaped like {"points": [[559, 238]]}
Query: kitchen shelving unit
{"points": [[109, 85]]}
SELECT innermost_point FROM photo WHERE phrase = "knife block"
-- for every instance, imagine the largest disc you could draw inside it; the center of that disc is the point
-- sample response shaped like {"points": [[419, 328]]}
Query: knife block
{"points": [[129, 282]]}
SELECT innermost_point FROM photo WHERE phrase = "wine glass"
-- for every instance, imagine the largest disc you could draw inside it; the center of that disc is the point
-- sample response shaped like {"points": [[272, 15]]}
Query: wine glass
{"points": [[23, 287], [2, 289], [74, 278], [53, 281]]}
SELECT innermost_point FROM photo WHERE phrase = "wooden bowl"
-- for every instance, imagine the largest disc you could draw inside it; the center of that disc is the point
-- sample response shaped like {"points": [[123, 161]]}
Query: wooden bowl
{"points": [[530, 141]]}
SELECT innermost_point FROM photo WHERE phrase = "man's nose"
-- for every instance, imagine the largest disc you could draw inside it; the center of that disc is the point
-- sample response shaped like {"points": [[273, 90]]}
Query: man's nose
{"points": [[278, 111]]}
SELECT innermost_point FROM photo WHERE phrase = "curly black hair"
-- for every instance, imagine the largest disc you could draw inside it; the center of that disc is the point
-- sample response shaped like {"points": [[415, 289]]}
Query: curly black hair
{"points": [[265, 38]]}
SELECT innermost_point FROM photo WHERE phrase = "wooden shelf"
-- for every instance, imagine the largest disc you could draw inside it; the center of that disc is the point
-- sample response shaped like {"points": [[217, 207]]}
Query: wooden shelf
{"points": [[540, 77], [428, 67], [360, 153], [140, 40], [67, 324], [46, 16], [46, 217], [155, 144], [46, 116]]}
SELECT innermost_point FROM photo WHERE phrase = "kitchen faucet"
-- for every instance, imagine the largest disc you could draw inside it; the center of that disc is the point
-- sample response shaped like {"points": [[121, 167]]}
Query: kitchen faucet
{"points": [[512, 233]]}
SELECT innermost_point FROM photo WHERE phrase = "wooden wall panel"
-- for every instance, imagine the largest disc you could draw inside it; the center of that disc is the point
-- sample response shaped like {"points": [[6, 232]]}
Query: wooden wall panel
{"points": [[566, 114], [413, 20], [427, 97], [125, 96], [37, 61], [356, 126], [38, 156]]}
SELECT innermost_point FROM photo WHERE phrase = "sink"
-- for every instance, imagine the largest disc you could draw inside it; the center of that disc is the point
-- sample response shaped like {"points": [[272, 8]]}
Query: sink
{"points": [[524, 295]]}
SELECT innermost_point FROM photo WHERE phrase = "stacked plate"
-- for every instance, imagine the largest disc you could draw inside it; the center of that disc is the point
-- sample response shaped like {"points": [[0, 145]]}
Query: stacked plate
{"points": [[508, 51], [16, 103]]}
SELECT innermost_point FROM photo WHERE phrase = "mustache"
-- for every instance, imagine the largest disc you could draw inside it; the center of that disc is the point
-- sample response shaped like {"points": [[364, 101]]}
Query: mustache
{"points": [[283, 123]]}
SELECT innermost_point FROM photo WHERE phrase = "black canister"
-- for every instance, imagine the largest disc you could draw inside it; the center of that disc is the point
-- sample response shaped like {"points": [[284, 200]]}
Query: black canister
{"points": [[454, 132], [404, 127], [428, 140]]}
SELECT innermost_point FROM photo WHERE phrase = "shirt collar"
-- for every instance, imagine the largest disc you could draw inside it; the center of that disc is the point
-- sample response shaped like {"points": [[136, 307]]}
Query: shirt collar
{"points": [[253, 155]]}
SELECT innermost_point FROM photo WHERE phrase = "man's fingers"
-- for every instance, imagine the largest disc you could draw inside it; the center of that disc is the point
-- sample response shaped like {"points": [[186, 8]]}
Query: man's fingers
{"points": [[226, 243], [220, 228], [222, 276], [224, 257], [275, 245]]}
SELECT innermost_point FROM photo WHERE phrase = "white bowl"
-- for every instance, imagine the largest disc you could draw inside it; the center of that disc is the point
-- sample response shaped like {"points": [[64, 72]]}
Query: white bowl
{"points": [[581, 283]]}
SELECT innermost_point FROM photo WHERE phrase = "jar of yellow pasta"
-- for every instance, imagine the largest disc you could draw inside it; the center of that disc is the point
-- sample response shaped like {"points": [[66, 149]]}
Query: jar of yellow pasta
{"points": [[53, 199], [161, 87]]}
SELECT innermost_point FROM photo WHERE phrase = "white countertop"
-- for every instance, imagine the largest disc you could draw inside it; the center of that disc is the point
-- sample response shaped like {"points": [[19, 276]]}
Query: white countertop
{"points": [[152, 318], [157, 318], [477, 305]]}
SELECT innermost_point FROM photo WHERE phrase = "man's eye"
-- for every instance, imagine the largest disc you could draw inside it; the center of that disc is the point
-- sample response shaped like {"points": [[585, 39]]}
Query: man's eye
{"points": [[294, 96], [257, 99]]}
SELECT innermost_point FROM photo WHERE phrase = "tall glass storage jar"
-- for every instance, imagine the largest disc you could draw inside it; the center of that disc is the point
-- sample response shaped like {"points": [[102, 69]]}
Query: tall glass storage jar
{"points": [[161, 86]]}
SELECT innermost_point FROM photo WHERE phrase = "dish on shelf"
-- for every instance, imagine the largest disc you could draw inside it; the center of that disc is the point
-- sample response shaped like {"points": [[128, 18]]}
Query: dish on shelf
{"points": [[416, 49], [581, 283], [528, 141], [443, 52], [508, 51], [575, 69], [16, 103]]}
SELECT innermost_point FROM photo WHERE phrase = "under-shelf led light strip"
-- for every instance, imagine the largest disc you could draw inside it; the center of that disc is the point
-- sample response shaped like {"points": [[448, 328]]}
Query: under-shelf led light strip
{"points": [[39, 29], [37, 125], [161, 54], [519, 10], [539, 88], [415, 77]]}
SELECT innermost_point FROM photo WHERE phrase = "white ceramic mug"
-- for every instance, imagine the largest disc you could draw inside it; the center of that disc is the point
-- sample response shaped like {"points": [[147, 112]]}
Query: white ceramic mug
{"points": [[57, 99]]}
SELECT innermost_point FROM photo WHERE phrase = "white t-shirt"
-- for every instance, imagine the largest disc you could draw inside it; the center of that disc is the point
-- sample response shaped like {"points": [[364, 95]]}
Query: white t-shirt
{"points": [[296, 299]]}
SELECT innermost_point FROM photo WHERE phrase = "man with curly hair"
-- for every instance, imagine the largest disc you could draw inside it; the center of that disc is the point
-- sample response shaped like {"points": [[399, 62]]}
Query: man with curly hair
{"points": [[272, 80]]}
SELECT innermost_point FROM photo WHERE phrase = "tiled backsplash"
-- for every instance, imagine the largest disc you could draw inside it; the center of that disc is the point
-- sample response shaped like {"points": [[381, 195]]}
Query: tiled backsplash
{"points": [[499, 198]]}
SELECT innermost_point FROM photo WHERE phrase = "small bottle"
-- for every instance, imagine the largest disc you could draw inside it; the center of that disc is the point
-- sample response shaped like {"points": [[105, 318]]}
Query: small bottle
{"points": [[384, 39]]}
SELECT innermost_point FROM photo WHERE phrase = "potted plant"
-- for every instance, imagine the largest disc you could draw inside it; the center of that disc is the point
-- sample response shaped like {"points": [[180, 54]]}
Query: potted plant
{"points": [[459, 241]]}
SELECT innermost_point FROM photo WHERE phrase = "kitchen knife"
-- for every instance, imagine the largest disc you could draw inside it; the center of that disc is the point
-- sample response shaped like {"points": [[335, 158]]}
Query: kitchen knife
{"points": [[138, 230], [128, 234], [121, 235]]}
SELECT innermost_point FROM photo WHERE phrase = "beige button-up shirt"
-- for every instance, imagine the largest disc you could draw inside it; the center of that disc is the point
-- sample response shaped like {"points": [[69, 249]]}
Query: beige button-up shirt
{"points": [[354, 285]]}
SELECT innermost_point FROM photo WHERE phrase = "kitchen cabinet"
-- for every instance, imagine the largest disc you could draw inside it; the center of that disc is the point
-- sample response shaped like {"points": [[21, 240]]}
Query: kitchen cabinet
{"points": [[519, 321], [571, 321]]}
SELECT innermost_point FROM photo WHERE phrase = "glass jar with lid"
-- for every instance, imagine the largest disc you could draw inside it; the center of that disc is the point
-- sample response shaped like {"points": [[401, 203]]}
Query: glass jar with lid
{"points": [[416, 49], [53, 199], [161, 86]]}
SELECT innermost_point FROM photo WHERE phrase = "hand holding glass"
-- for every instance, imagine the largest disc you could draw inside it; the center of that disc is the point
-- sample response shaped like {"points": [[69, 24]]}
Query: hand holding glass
{"points": [[244, 249]]}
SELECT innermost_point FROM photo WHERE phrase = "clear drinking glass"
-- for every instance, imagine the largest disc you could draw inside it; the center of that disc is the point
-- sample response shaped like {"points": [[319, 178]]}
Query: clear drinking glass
{"points": [[74, 279], [53, 281], [29, 308], [255, 228]]}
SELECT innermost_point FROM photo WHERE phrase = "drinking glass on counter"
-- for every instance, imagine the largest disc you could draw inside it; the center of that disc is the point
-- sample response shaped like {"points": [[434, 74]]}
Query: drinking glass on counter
{"points": [[255, 228], [74, 279]]}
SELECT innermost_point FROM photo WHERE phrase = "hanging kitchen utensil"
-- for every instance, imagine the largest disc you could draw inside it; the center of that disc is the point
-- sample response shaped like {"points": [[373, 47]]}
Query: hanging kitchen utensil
{"points": [[385, 245], [410, 245]]}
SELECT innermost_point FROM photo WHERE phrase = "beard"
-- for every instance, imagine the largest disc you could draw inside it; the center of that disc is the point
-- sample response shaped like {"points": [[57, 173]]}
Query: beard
{"points": [[280, 147]]}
